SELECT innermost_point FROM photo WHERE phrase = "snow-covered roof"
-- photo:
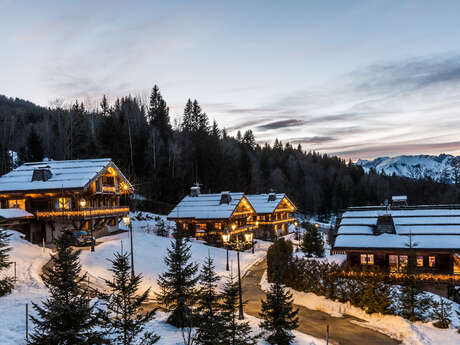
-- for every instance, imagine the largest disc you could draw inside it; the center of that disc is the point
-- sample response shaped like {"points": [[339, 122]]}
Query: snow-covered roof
{"points": [[14, 213], [206, 206], [262, 204], [68, 174], [392, 241], [431, 227]]}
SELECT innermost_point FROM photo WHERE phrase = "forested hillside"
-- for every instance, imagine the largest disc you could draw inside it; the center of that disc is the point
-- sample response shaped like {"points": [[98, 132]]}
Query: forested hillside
{"points": [[163, 161]]}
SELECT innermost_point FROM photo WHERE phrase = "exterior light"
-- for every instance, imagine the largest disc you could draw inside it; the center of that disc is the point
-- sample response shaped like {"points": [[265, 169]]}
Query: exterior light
{"points": [[296, 223], [233, 226], [127, 220], [124, 186], [316, 225], [82, 202], [257, 223], [248, 237], [225, 238]]}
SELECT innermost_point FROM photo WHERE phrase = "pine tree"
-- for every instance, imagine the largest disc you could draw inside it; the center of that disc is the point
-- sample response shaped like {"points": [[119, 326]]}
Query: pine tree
{"points": [[210, 326], [6, 284], [187, 118], [234, 332], [66, 317], [441, 313], [312, 243], [34, 151], [413, 302], [178, 284], [279, 258], [279, 318], [124, 317]]}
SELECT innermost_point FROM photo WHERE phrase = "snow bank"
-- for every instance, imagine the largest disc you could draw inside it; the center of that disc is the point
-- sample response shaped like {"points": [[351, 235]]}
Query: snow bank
{"points": [[408, 333], [29, 288]]}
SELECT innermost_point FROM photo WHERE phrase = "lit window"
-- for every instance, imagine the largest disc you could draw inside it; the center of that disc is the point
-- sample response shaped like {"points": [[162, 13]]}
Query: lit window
{"points": [[419, 261], [403, 260], [63, 203], [367, 259], [432, 261], [393, 261], [20, 203]]}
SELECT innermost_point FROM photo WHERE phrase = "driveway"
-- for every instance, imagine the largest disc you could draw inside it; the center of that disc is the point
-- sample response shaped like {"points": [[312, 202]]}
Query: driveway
{"points": [[313, 322]]}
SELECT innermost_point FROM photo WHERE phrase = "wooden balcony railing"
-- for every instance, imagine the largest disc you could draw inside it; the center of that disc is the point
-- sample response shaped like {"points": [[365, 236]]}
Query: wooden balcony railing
{"points": [[84, 212], [276, 221]]}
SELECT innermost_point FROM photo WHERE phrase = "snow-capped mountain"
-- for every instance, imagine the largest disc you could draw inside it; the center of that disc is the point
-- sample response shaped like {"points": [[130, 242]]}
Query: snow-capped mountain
{"points": [[442, 168]]}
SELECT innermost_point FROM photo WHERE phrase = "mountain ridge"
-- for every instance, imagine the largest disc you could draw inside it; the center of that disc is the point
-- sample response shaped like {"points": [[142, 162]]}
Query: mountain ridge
{"points": [[444, 168]]}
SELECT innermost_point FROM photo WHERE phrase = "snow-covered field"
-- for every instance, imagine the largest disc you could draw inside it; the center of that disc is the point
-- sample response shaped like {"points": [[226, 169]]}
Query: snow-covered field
{"points": [[150, 249], [409, 333], [149, 252]]}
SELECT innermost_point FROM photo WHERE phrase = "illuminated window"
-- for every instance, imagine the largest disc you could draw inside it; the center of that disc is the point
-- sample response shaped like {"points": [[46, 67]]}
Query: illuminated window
{"points": [[403, 260], [419, 261], [367, 259], [393, 262], [20, 203], [432, 261], [63, 204]]}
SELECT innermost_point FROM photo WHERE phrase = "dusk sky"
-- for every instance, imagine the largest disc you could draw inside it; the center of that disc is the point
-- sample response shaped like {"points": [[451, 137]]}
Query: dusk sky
{"points": [[359, 79]]}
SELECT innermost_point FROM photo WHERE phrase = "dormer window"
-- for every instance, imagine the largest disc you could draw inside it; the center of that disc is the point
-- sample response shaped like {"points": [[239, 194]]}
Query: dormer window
{"points": [[42, 173], [225, 198]]}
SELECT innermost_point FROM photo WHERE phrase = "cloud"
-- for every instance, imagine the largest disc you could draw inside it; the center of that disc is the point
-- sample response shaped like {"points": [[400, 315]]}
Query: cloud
{"points": [[281, 124], [409, 74], [311, 140]]}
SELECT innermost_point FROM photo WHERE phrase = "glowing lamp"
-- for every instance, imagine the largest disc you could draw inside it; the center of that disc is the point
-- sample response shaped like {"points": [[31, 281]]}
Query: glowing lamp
{"points": [[233, 226], [126, 220], [225, 238], [124, 187], [296, 223], [248, 237], [257, 223], [83, 203], [316, 225]]}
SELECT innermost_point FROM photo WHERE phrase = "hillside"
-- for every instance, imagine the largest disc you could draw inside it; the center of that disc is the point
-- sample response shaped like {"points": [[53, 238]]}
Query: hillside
{"points": [[443, 168]]}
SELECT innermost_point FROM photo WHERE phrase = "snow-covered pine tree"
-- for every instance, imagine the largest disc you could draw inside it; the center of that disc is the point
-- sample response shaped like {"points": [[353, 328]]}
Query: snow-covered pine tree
{"points": [[210, 326], [66, 317], [124, 317], [6, 284], [413, 302], [235, 332], [178, 293], [279, 317], [440, 313], [312, 242], [376, 294]]}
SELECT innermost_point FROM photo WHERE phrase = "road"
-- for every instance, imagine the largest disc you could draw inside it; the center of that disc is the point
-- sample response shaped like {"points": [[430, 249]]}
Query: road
{"points": [[313, 322]]}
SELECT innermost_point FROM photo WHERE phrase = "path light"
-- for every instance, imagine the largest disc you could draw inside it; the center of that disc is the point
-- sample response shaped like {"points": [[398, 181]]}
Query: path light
{"points": [[127, 221], [226, 239]]}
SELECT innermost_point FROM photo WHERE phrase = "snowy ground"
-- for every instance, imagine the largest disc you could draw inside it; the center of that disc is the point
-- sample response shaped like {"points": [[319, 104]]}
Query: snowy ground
{"points": [[150, 249], [397, 327], [149, 252]]}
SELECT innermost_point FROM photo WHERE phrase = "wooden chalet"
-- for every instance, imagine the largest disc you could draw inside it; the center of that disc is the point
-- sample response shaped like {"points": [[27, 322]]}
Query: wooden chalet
{"points": [[392, 237], [215, 216], [44, 198], [274, 213]]}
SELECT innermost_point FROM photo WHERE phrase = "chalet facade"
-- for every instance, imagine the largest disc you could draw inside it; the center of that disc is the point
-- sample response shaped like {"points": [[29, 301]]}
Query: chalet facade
{"points": [[425, 237], [274, 214], [44, 198], [215, 216]]}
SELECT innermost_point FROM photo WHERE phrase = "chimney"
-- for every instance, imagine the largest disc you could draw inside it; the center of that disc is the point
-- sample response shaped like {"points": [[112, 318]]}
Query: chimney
{"points": [[195, 190], [225, 198], [271, 196], [42, 173]]}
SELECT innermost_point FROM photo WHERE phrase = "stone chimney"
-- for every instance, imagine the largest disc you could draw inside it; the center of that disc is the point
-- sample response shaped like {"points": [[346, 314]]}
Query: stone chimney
{"points": [[271, 196], [225, 198], [195, 190], [42, 173]]}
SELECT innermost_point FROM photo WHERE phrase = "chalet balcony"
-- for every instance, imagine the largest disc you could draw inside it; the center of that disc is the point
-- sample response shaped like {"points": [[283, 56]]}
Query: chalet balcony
{"points": [[276, 221], [85, 213]]}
